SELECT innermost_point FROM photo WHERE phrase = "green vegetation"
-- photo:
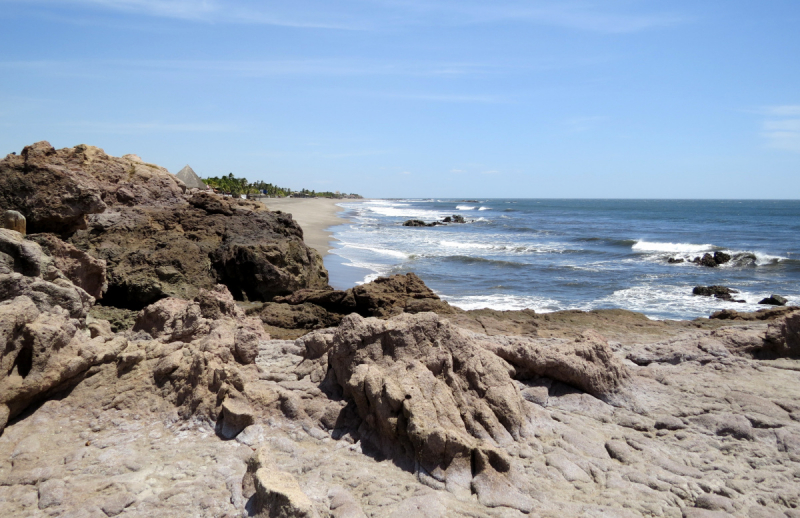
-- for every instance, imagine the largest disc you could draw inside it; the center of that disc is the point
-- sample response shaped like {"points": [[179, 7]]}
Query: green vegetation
{"points": [[237, 186]]}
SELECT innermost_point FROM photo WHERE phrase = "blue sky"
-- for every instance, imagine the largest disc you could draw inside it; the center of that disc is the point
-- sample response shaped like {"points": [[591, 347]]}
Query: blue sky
{"points": [[397, 98]]}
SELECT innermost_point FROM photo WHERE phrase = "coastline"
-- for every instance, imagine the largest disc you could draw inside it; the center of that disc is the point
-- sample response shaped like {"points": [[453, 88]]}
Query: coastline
{"points": [[314, 215]]}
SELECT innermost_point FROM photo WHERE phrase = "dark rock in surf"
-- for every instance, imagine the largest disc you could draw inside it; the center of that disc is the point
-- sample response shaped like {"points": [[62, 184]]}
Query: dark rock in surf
{"points": [[720, 292], [457, 218], [419, 223], [675, 260], [706, 260], [721, 257], [774, 300]]}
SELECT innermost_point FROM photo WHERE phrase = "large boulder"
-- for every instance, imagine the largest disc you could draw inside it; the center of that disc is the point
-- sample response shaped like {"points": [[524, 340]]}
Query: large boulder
{"points": [[153, 253]]}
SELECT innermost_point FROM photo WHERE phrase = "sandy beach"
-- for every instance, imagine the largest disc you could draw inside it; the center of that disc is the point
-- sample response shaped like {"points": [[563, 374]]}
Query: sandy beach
{"points": [[314, 215]]}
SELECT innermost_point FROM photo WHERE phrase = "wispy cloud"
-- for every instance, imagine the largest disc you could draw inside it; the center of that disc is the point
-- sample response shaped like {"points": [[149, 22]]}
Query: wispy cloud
{"points": [[782, 131], [615, 16], [582, 124], [252, 68], [150, 127], [783, 111]]}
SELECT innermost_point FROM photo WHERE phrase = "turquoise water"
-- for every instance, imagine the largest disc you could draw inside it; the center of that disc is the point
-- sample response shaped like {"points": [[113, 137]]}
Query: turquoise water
{"points": [[551, 255]]}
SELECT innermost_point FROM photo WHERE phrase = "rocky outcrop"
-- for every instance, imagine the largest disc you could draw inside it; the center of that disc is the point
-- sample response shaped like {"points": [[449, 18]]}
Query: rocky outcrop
{"points": [[761, 314], [455, 218], [156, 240], [774, 300], [430, 399], [383, 297], [45, 343], [718, 292], [56, 189], [443, 402], [586, 363], [712, 261], [200, 346], [419, 223]]}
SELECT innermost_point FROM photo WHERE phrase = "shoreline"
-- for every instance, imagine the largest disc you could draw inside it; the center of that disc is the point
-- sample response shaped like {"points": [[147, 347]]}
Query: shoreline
{"points": [[315, 216]]}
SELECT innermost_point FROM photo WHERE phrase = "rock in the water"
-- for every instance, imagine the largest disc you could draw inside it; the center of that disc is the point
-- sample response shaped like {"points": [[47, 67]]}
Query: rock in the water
{"points": [[419, 223], [774, 300], [674, 260], [13, 220], [706, 260], [719, 292], [721, 257]]}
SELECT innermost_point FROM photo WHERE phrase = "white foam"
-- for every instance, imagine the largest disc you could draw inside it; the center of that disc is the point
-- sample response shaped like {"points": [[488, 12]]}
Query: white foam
{"points": [[656, 301], [485, 208], [383, 251], [503, 302], [651, 246], [465, 207], [463, 246]]}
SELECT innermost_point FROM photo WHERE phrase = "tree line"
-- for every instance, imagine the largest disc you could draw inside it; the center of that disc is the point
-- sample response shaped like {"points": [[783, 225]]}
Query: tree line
{"points": [[238, 186]]}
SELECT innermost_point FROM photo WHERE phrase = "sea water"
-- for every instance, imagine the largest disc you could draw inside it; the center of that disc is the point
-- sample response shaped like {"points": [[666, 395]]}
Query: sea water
{"points": [[550, 255]]}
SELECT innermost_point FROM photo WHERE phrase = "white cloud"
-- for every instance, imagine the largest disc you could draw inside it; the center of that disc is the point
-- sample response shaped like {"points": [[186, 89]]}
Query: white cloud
{"points": [[615, 16], [783, 111], [782, 131]]}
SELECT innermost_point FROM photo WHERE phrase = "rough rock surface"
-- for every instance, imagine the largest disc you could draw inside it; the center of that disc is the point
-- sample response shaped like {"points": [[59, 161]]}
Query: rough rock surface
{"points": [[705, 430], [443, 402], [81, 269]]}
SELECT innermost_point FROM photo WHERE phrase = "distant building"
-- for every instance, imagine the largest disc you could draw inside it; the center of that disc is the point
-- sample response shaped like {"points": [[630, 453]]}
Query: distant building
{"points": [[190, 178]]}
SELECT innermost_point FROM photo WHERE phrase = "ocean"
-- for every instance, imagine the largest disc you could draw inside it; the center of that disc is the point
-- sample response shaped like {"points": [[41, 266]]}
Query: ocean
{"points": [[550, 254]]}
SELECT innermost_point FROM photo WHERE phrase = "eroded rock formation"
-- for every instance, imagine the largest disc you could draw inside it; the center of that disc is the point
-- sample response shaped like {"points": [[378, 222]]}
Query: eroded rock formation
{"points": [[156, 239]]}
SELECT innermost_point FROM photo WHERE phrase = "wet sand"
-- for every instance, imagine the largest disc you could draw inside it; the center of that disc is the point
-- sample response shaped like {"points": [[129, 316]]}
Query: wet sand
{"points": [[314, 215]]}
